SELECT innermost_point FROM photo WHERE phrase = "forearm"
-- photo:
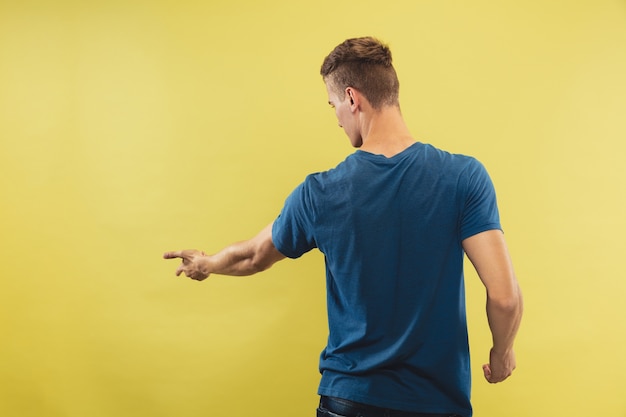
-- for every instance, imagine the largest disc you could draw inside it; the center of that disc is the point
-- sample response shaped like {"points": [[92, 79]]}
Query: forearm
{"points": [[237, 259], [244, 258], [504, 316]]}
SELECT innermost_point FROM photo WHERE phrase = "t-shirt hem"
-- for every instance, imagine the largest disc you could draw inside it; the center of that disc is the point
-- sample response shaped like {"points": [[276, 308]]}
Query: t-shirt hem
{"points": [[484, 228], [395, 405]]}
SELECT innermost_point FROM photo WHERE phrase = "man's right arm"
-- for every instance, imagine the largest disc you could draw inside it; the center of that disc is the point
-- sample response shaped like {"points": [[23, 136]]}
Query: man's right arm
{"points": [[489, 254], [242, 258]]}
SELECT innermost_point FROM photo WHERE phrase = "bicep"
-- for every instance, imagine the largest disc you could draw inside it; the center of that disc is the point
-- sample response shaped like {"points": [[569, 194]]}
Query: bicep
{"points": [[489, 254], [266, 253]]}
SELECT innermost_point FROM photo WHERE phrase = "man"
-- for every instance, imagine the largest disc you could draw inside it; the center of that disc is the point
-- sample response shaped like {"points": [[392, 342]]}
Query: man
{"points": [[393, 221]]}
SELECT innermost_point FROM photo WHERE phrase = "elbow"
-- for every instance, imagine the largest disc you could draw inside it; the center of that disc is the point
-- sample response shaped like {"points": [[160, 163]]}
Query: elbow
{"points": [[504, 304], [509, 302], [264, 257], [259, 264]]}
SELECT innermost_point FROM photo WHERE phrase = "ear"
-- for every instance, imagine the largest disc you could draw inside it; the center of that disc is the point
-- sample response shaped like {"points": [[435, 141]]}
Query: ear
{"points": [[354, 97]]}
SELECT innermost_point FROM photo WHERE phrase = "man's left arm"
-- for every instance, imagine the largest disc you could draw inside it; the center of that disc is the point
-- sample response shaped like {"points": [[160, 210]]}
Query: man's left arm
{"points": [[489, 254]]}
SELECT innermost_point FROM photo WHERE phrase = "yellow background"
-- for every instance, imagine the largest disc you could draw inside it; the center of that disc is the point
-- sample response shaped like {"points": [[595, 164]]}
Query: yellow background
{"points": [[128, 128]]}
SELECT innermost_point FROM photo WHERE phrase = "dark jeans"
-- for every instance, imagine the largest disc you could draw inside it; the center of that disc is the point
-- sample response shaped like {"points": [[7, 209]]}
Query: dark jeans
{"points": [[338, 407]]}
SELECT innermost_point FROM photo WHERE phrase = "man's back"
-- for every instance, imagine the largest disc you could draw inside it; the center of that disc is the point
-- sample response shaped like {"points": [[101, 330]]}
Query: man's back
{"points": [[391, 232]]}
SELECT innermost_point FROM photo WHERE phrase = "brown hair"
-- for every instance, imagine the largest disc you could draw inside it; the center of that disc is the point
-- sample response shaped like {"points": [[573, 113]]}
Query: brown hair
{"points": [[364, 64]]}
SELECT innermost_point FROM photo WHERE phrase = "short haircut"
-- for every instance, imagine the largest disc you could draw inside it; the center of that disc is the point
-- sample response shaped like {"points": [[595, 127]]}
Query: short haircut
{"points": [[363, 64]]}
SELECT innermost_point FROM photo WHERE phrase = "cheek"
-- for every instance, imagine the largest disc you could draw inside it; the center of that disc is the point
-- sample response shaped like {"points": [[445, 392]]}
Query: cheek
{"points": [[338, 116], [341, 114]]}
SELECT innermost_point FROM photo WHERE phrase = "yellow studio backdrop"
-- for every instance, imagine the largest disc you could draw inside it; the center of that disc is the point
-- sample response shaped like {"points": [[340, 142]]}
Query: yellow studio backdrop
{"points": [[128, 128]]}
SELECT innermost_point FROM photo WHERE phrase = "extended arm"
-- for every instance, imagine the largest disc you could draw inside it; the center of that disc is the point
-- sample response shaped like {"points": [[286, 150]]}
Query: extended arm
{"points": [[241, 258], [489, 254]]}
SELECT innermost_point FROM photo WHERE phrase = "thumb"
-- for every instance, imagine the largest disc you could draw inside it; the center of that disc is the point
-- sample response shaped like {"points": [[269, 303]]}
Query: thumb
{"points": [[487, 372]]}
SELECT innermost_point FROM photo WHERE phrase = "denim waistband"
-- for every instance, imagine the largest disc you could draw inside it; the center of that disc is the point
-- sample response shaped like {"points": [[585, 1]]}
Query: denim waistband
{"points": [[353, 409]]}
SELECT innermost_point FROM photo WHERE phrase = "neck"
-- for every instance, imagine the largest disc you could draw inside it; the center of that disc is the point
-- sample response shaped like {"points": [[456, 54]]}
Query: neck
{"points": [[385, 132]]}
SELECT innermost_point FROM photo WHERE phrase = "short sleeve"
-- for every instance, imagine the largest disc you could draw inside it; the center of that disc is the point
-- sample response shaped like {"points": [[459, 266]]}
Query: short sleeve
{"points": [[480, 208], [292, 231]]}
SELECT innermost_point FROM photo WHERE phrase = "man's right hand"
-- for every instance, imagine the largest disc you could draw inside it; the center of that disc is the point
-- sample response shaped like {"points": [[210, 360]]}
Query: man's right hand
{"points": [[194, 263]]}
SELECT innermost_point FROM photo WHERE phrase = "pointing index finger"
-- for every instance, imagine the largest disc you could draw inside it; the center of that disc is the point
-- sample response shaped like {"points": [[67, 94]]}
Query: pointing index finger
{"points": [[172, 255]]}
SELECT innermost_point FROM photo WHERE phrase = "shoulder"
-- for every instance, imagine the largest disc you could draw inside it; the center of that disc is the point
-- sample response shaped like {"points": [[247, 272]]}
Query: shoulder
{"points": [[452, 162], [331, 176]]}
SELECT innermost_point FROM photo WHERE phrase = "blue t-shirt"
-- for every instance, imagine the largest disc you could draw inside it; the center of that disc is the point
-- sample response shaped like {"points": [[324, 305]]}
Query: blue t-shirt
{"points": [[391, 232]]}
